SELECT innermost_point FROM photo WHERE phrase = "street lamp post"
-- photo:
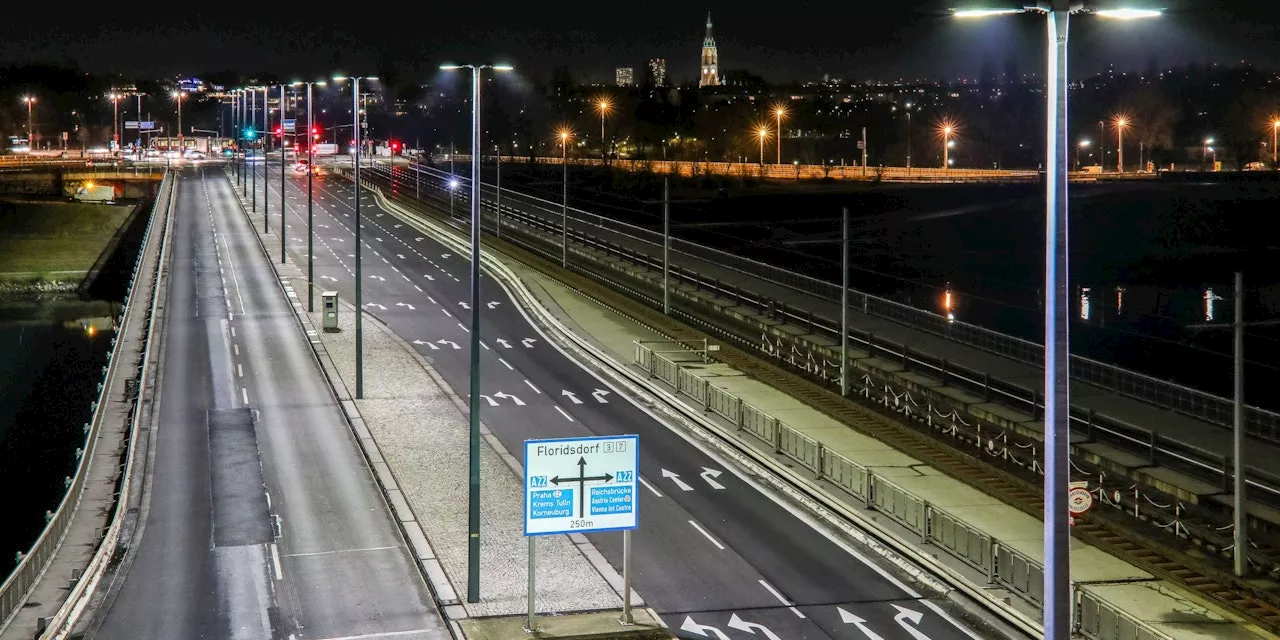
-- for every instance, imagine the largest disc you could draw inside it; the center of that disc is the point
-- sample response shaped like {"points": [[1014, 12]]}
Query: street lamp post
{"points": [[1204, 152], [1082, 144], [908, 135], [115, 121], [283, 210], [1057, 532], [355, 176], [266, 143], [177, 96], [762, 133], [31, 101], [564, 200], [1275, 128], [778, 112], [497, 194], [253, 171], [1121, 123], [473, 518], [947, 130], [603, 106], [311, 236]]}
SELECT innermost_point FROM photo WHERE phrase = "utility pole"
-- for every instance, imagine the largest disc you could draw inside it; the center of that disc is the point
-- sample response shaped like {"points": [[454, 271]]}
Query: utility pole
{"points": [[283, 210], [864, 152], [1240, 553], [844, 301], [666, 245]]}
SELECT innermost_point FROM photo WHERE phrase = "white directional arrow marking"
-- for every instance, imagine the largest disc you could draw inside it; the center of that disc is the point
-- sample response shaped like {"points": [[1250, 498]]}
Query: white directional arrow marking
{"points": [[491, 401], [400, 255], [906, 616], [675, 477], [494, 304], [504, 343], [849, 618], [418, 239], [528, 342], [738, 623], [379, 278], [374, 304], [571, 395], [378, 239], [599, 395], [429, 344], [708, 474], [396, 226], [503, 394], [445, 255], [428, 277], [464, 305], [323, 226], [701, 629], [405, 304], [330, 278], [449, 342]]}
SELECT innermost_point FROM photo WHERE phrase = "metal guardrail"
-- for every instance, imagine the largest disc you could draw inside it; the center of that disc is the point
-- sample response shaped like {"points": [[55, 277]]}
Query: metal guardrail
{"points": [[1003, 565], [14, 590], [1259, 422]]}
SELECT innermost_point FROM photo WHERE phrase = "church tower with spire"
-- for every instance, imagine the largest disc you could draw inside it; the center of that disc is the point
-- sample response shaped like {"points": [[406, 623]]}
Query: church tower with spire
{"points": [[710, 60]]}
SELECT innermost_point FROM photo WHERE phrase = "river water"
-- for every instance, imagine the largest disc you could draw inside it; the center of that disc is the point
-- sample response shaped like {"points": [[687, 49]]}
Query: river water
{"points": [[51, 356]]}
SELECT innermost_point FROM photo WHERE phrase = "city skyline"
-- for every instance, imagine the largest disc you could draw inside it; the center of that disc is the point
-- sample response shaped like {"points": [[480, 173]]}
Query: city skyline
{"points": [[916, 42]]}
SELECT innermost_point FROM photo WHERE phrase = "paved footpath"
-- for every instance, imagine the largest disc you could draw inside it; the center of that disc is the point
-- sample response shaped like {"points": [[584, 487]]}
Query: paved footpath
{"points": [[1160, 604]]}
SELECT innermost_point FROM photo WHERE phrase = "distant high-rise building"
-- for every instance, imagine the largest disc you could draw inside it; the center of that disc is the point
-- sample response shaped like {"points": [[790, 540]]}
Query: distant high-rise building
{"points": [[710, 60], [657, 72], [624, 76]]}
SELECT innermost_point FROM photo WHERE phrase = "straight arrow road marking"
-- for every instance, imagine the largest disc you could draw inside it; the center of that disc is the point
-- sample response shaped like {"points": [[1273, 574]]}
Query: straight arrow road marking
{"points": [[675, 477], [738, 623], [573, 397], [709, 474], [464, 305], [707, 535], [504, 343], [859, 623], [494, 305], [405, 304], [528, 342], [599, 395], [690, 626]]}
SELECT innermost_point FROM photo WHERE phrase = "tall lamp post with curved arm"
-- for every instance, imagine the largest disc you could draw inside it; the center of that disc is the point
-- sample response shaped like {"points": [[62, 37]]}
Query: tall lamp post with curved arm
{"points": [[355, 161]]}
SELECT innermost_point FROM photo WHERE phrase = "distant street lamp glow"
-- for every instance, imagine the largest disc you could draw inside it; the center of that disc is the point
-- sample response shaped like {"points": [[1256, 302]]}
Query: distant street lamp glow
{"points": [[762, 133], [1121, 122], [778, 112], [1275, 128], [453, 184], [946, 129], [604, 107]]}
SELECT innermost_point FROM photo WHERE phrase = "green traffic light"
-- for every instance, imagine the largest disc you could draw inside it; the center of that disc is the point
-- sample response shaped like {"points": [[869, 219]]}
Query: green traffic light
{"points": [[248, 133]]}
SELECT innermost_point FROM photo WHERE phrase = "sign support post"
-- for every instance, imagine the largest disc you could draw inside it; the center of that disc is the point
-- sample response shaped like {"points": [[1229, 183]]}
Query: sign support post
{"points": [[581, 485]]}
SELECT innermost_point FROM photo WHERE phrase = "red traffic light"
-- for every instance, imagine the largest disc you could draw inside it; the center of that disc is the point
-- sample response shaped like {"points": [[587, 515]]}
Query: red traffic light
{"points": [[279, 130], [395, 146]]}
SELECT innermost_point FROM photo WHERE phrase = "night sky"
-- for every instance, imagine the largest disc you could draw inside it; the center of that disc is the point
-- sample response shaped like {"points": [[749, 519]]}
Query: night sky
{"points": [[780, 41]]}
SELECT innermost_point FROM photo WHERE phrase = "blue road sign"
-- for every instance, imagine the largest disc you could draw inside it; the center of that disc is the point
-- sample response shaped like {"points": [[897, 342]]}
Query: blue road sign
{"points": [[581, 485]]}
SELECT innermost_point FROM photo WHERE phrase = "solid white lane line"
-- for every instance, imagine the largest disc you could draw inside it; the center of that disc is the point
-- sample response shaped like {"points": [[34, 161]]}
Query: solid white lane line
{"points": [[275, 561], [790, 605], [566, 415], [460, 326], [707, 535], [535, 389], [506, 364], [384, 634], [650, 487]]}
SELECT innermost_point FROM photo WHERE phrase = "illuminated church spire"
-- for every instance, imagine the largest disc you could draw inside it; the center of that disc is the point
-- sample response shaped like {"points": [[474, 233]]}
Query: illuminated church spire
{"points": [[710, 60]]}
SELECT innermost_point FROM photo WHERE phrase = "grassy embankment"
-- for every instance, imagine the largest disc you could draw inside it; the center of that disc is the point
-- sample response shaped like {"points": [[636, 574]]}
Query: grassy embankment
{"points": [[54, 242]]}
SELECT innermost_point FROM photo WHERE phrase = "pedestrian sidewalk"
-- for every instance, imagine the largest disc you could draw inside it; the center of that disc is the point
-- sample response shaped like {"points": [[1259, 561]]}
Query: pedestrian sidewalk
{"points": [[1113, 594]]}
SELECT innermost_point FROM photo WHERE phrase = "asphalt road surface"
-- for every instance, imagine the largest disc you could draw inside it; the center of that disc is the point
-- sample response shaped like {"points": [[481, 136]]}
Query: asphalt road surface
{"points": [[263, 520], [715, 556]]}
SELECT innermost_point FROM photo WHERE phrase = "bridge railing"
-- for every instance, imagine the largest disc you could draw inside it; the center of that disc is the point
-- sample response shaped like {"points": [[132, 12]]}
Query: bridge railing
{"points": [[31, 565], [1259, 422]]}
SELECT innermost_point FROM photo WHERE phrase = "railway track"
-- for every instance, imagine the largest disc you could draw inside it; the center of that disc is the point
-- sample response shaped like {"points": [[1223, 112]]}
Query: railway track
{"points": [[1169, 556]]}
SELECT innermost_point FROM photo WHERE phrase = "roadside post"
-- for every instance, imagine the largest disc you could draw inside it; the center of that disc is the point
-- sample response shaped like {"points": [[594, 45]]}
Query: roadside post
{"points": [[581, 485]]}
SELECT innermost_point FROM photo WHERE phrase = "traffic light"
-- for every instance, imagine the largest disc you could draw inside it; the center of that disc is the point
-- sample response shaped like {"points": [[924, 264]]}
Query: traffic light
{"points": [[395, 146], [315, 133], [248, 134], [279, 131]]}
